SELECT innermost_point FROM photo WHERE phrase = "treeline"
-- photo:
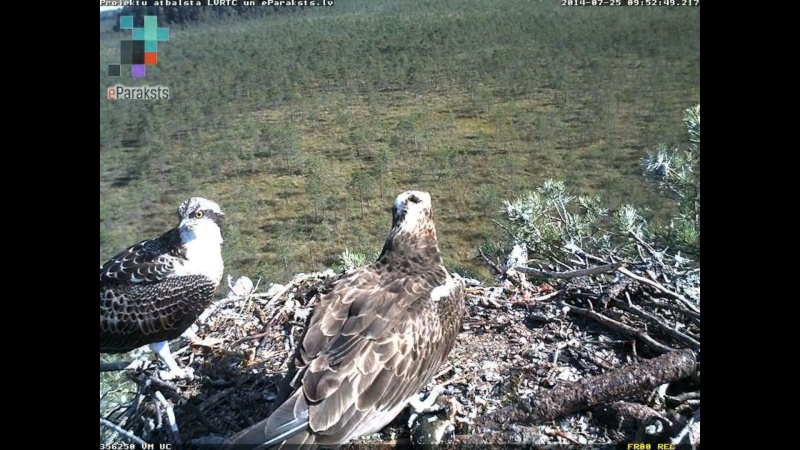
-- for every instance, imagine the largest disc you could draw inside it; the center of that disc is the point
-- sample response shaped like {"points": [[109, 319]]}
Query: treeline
{"points": [[304, 124], [190, 14]]}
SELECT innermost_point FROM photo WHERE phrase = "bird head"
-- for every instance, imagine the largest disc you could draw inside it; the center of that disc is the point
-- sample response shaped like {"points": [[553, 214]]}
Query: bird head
{"points": [[200, 216], [412, 211]]}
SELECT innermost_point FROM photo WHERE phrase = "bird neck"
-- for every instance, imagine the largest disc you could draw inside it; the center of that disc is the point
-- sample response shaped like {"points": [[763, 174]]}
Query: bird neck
{"points": [[203, 235], [203, 252], [420, 247]]}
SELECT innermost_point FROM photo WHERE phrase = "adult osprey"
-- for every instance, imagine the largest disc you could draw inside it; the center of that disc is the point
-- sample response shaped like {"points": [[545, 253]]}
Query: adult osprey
{"points": [[153, 291], [372, 343]]}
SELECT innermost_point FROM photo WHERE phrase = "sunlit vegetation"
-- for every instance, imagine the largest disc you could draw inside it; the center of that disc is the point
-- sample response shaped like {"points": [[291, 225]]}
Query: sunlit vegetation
{"points": [[305, 124]]}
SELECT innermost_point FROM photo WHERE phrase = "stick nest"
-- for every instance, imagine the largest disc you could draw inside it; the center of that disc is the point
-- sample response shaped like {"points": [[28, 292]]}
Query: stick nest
{"points": [[543, 358]]}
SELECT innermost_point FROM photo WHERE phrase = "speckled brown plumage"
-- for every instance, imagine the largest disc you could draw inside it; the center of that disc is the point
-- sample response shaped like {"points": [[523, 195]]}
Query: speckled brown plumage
{"points": [[374, 341], [148, 292]]}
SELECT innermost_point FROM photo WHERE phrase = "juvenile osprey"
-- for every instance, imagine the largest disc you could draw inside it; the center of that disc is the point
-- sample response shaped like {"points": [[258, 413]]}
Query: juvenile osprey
{"points": [[372, 343], [153, 291]]}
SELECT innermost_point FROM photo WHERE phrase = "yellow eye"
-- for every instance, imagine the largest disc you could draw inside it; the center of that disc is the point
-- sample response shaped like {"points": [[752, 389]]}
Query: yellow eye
{"points": [[199, 215]]}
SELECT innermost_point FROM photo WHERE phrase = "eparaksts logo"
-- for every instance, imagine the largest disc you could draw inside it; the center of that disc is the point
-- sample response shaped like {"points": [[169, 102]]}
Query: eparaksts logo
{"points": [[120, 92]]}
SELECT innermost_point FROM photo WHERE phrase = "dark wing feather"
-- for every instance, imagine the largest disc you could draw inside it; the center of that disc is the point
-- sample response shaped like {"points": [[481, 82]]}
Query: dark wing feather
{"points": [[373, 342], [139, 314], [148, 261], [140, 304]]}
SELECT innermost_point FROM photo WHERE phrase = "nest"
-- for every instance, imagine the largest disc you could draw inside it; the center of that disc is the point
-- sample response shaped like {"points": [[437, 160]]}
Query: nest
{"points": [[604, 356]]}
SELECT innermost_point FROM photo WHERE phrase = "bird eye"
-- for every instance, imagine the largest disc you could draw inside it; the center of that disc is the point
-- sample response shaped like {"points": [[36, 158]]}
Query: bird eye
{"points": [[199, 215], [414, 199]]}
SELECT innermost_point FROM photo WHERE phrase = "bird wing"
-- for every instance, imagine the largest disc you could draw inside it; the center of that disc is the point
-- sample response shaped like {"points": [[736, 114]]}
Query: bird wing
{"points": [[140, 303], [146, 262], [133, 315], [374, 341]]}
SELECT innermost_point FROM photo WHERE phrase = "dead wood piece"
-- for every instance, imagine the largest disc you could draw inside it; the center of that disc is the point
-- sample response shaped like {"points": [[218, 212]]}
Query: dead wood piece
{"points": [[672, 332], [171, 389], [661, 305], [252, 337], [622, 328], [510, 435], [614, 291], [691, 432], [170, 413], [661, 288], [122, 432], [573, 397], [572, 274], [627, 416], [562, 435], [641, 243], [497, 270], [682, 398], [211, 310], [532, 300], [578, 251], [297, 281]]}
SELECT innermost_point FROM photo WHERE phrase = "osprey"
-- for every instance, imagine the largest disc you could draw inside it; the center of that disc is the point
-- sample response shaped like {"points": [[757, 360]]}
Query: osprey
{"points": [[153, 291], [373, 342]]}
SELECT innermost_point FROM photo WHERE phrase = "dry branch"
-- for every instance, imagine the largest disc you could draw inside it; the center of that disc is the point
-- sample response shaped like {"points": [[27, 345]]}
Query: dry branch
{"points": [[653, 252], [173, 425], [589, 392], [626, 415], [497, 270], [512, 435], [614, 291], [122, 432], [691, 431], [661, 288], [622, 328], [677, 335], [684, 311], [578, 251], [575, 273], [512, 344], [212, 309]]}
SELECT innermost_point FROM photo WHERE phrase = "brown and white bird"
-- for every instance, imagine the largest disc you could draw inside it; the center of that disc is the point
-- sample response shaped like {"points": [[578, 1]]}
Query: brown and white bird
{"points": [[373, 342], [153, 291]]}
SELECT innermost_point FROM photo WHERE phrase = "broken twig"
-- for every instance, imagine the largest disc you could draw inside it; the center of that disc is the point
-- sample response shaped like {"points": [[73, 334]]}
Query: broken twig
{"points": [[575, 273], [122, 432], [621, 327]]}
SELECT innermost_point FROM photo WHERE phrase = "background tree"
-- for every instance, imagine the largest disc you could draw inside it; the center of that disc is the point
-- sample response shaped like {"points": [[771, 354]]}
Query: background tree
{"points": [[361, 184], [676, 173], [553, 221]]}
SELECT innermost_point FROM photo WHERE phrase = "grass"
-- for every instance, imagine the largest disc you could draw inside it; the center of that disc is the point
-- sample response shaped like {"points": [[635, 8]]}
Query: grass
{"points": [[305, 126]]}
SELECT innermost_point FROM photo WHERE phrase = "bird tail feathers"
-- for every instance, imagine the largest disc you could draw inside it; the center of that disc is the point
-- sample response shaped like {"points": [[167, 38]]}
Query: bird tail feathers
{"points": [[287, 425]]}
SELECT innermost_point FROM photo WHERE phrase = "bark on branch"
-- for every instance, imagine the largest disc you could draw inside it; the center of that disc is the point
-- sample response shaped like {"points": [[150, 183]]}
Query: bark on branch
{"points": [[569, 398], [575, 273], [121, 431], [622, 328]]}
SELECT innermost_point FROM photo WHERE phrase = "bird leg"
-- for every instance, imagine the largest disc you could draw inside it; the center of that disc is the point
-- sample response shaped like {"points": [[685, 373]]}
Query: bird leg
{"points": [[162, 350], [419, 407], [425, 406]]}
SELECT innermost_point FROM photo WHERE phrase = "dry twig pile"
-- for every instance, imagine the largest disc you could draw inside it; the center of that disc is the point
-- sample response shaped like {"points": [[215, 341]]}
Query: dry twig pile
{"points": [[599, 353]]}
